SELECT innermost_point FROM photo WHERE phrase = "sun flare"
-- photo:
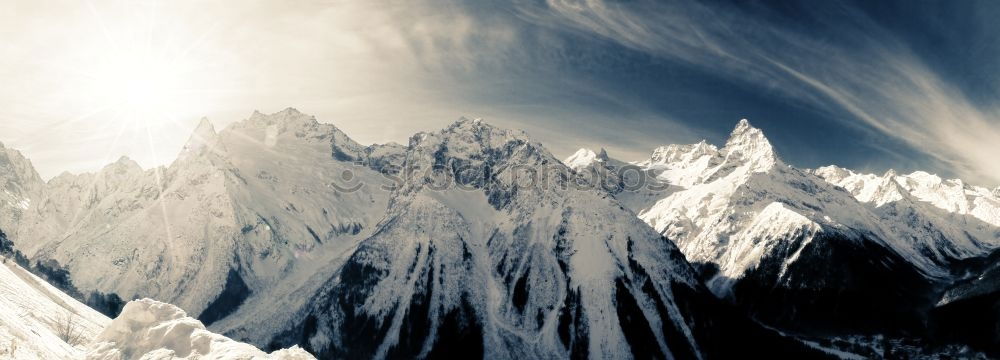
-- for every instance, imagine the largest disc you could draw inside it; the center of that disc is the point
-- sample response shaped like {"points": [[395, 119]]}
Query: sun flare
{"points": [[134, 75], [143, 87], [139, 72]]}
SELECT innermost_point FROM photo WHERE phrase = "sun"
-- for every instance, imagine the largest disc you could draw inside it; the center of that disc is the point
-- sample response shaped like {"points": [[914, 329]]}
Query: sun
{"points": [[136, 70], [139, 86], [140, 83]]}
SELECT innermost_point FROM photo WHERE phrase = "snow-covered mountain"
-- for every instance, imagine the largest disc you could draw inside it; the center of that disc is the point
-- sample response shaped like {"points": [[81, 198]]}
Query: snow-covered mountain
{"points": [[635, 186], [259, 229], [947, 196], [952, 220], [793, 246], [946, 219], [280, 230], [474, 258], [20, 185], [237, 212]]}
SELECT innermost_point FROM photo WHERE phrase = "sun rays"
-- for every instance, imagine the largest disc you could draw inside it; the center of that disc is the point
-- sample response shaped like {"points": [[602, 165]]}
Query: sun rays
{"points": [[135, 81]]}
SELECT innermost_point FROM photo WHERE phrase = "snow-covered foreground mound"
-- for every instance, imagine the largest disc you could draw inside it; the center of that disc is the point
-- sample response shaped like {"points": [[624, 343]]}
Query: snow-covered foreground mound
{"points": [[37, 321], [148, 329]]}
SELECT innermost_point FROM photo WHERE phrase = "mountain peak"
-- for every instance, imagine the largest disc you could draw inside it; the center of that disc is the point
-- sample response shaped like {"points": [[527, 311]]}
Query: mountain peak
{"points": [[14, 163], [287, 118], [480, 129], [584, 157], [467, 123], [286, 111], [749, 144], [833, 173], [603, 155], [887, 190], [745, 133], [688, 153], [743, 125], [204, 137], [126, 161], [704, 146], [205, 126]]}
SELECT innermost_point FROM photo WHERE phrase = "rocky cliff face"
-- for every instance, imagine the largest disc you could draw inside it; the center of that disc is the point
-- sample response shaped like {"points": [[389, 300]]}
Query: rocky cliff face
{"points": [[20, 185]]}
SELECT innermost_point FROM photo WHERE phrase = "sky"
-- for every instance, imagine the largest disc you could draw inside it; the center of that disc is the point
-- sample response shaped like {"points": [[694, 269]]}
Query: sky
{"points": [[908, 85]]}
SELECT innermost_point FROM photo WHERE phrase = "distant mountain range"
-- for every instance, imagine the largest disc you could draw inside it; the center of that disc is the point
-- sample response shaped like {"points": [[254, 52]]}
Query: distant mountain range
{"points": [[475, 241]]}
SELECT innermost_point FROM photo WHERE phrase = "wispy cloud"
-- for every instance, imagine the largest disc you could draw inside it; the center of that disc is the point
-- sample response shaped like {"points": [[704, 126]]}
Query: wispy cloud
{"points": [[383, 70], [863, 75], [380, 70]]}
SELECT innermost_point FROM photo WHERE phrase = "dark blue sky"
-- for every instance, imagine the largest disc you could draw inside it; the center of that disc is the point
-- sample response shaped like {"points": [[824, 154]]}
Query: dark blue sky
{"points": [[870, 85]]}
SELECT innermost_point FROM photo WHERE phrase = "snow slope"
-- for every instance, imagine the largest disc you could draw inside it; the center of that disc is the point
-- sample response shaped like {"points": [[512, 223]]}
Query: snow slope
{"points": [[34, 318], [37, 321]]}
